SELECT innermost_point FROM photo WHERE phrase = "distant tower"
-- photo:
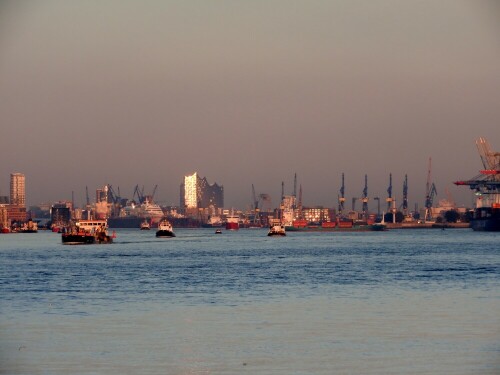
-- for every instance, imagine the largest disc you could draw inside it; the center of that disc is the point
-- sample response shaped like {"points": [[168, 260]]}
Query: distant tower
{"points": [[17, 189]]}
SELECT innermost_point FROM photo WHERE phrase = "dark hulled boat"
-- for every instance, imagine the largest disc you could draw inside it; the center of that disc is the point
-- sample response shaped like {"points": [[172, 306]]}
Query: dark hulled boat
{"points": [[486, 219], [165, 229], [86, 232]]}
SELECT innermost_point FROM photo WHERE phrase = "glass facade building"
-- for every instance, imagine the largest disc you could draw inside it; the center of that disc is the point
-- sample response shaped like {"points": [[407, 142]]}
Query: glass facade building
{"points": [[197, 193], [17, 189]]}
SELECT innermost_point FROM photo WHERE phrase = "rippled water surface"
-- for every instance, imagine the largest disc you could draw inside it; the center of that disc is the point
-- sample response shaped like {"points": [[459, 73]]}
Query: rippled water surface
{"points": [[395, 302]]}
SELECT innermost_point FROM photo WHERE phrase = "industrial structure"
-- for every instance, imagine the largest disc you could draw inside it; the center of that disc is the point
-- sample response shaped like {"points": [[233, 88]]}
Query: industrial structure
{"points": [[486, 186]]}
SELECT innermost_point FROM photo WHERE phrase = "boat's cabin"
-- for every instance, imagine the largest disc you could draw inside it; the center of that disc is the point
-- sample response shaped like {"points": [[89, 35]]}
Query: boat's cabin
{"points": [[92, 225]]}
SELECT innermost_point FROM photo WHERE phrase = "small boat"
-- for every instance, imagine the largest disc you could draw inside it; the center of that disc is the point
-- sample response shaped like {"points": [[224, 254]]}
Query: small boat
{"points": [[276, 228], [165, 229], [86, 232], [218, 231], [145, 225]]}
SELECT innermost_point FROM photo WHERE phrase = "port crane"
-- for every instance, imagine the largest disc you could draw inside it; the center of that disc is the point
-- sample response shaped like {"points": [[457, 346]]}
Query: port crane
{"points": [[265, 200], [141, 197], [488, 181], [342, 197], [139, 194], [116, 200], [431, 192], [364, 198], [389, 194], [404, 205]]}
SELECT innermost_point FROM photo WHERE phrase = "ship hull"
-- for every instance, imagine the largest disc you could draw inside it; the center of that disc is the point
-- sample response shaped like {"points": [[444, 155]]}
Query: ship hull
{"points": [[165, 234], [86, 239], [125, 222], [77, 239], [486, 225], [486, 219], [232, 226]]}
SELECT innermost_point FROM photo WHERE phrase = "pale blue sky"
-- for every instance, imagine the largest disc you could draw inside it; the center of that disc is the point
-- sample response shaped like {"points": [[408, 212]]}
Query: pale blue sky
{"points": [[144, 92]]}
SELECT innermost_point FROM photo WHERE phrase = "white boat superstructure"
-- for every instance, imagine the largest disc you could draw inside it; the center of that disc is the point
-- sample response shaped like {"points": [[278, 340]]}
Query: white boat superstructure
{"points": [[91, 226], [276, 228]]}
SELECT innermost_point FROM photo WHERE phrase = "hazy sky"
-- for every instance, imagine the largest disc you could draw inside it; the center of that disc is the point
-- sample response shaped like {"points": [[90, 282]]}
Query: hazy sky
{"points": [[145, 92]]}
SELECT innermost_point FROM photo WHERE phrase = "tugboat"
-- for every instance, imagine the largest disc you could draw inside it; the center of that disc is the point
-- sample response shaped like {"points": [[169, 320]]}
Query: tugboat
{"points": [[86, 232], [165, 229], [276, 228], [145, 225]]}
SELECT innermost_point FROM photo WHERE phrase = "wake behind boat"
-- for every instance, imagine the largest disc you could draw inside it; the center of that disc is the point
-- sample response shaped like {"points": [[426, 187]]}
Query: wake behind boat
{"points": [[165, 229]]}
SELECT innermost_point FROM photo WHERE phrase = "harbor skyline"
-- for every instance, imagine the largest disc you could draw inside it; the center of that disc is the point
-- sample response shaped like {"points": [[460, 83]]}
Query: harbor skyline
{"points": [[124, 93]]}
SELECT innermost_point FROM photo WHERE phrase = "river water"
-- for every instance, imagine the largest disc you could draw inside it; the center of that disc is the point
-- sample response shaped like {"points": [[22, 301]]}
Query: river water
{"points": [[395, 302]]}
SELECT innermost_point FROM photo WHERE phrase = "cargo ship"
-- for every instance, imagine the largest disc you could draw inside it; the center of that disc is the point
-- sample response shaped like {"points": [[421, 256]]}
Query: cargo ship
{"points": [[486, 218], [133, 215], [486, 185]]}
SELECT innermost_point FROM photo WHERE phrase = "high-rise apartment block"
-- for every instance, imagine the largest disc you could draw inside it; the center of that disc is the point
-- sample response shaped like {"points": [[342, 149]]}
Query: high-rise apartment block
{"points": [[18, 189], [196, 192]]}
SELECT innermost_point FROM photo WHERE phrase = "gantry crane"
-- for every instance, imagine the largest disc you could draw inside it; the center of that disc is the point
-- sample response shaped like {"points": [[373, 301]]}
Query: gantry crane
{"points": [[365, 197], [389, 194], [430, 193], [488, 181], [342, 197], [405, 195]]}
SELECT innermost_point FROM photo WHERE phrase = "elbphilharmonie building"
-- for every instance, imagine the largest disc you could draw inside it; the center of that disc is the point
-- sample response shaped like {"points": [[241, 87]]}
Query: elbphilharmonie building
{"points": [[196, 192]]}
